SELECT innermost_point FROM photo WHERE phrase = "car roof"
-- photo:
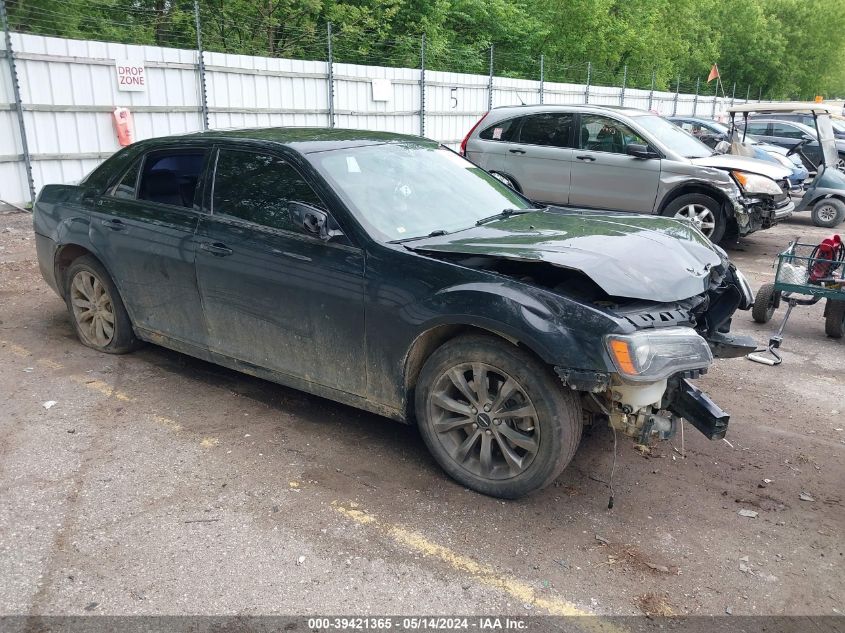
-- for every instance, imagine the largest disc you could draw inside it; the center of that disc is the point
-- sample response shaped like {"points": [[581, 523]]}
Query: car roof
{"points": [[301, 139], [570, 108], [797, 124], [786, 106]]}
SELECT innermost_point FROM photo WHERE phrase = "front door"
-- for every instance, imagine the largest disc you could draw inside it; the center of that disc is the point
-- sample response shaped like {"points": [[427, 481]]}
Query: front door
{"points": [[604, 176], [275, 295], [143, 228]]}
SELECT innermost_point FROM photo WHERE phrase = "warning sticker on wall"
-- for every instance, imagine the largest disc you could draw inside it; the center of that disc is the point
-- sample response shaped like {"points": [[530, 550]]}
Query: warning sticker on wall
{"points": [[131, 76]]}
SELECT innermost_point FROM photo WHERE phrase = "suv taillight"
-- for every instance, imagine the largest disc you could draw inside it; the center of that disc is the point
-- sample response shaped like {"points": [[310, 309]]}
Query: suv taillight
{"points": [[463, 150]]}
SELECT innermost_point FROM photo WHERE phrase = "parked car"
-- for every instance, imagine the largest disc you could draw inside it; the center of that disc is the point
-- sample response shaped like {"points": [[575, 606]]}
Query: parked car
{"points": [[628, 160], [805, 118], [711, 133], [788, 134], [388, 273]]}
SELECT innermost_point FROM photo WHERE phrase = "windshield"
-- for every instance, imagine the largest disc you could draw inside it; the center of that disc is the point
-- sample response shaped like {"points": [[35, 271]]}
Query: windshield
{"points": [[403, 191], [673, 137]]}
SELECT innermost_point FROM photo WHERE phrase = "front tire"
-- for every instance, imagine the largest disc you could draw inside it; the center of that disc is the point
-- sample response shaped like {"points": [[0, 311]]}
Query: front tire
{"points": [[766, 302], [96, 309], [828, 212], [704, 212], [495, 418]]}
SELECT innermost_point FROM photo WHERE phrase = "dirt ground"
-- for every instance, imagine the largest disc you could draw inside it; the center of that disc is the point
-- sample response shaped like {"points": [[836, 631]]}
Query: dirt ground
{"points": [[160, 484]]}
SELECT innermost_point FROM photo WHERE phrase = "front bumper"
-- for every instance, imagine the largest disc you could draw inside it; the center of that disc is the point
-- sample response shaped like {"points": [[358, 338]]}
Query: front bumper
{"points": [[756, 213]]}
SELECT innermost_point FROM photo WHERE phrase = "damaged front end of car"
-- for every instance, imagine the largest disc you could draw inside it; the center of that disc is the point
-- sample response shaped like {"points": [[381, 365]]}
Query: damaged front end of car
{"points": [[669, 292]]}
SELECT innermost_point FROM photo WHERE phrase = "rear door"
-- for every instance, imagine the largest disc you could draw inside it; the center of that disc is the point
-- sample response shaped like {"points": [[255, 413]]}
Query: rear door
{"points": [[604, 176], [489, 149], [540, 156], [275, 295], [143, 228]]}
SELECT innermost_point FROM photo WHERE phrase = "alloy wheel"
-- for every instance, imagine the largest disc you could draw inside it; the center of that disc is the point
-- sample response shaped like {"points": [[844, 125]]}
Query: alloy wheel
{"points": [[485, 420], [92, 308], [827, 213], [700, 216]]}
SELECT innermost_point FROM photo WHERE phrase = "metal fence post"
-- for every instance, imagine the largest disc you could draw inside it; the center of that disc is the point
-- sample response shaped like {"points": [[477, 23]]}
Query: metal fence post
{"points": [[542, 78], [16, 91], [331, 74], [201, 68], [760, 94], [624, 81], [651, 92], [695, 99], [748, 93], [677, 94], [422, 85], [715, 99], [490, 82], [587, 87], [733, 95]]}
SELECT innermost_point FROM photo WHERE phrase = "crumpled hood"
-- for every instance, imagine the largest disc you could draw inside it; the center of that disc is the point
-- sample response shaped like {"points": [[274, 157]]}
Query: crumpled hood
{"points": [[744, 163], [634, 256]]}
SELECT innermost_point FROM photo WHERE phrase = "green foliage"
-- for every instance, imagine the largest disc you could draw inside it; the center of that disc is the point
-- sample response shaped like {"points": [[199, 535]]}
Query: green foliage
{"points": [[784, 48]]}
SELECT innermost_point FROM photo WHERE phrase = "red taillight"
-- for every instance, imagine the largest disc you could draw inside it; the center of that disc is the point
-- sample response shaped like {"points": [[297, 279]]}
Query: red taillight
{"points": [[463, 150]]}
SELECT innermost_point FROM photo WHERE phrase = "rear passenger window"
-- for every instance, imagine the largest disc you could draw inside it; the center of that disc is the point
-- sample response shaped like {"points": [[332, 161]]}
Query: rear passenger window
{"points": [[786, 131], [125, 189], [258, 188], [552, 129], [170, 177], [501, 131], [757, 128]]}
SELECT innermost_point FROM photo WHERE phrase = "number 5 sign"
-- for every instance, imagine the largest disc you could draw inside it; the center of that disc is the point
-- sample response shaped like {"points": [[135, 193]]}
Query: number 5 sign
{"points": [[131, 76]]}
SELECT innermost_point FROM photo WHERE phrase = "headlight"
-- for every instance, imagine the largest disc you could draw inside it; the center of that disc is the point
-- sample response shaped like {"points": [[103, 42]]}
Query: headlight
{"points": [[656, 354], [755, 183], [745, 289]]}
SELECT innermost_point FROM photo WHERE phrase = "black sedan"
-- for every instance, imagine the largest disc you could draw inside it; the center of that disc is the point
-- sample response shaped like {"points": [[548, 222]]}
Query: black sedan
{"points": [[387, 272]]}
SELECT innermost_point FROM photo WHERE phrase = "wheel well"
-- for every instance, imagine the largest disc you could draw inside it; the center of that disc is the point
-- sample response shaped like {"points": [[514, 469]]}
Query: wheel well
{"points": [[825, 197], [425, 345], [64, 258], [509, 177], [692, 188]]}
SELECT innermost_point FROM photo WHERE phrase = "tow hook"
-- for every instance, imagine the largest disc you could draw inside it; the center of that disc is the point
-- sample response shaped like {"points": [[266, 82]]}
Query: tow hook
{"points": [[690, 403]]}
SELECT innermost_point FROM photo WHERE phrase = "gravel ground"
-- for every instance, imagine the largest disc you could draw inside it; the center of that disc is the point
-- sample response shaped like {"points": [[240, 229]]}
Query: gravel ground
{"points": [[160, 484]]}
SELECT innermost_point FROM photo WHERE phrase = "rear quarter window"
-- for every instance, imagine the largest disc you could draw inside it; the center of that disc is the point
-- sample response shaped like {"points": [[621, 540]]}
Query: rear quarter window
{"points": [[501, 131]]}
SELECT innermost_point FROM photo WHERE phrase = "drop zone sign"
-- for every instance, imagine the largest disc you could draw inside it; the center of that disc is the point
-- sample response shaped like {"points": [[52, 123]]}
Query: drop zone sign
{"points": [[131, 76]]}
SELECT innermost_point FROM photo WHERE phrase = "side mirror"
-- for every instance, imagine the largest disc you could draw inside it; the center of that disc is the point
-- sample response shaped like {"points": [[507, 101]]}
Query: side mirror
{"points": [[722, 147], [806, 137], [315, 221], [640, 151]]}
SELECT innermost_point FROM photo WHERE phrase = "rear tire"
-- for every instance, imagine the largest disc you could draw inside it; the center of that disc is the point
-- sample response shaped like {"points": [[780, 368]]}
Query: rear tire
{"points": [[96, 309], [495, 418], [765, 304], [506, 180], [828, 212], [702, 211], [834, 321]]}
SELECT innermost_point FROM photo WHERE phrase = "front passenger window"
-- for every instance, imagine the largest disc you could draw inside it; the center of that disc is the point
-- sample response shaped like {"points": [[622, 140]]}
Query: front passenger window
{"points": [[258, 188], [602, 134]]}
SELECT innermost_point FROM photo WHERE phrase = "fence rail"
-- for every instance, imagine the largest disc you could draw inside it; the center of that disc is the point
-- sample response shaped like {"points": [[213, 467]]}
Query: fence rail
{"points": [[56, 98]]}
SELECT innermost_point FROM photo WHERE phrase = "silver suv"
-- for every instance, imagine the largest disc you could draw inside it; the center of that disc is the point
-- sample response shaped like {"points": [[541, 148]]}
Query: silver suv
{"points": [[627, 160]]}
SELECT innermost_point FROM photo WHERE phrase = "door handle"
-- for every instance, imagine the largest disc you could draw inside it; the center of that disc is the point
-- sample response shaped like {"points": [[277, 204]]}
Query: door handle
{"points": [[516, 151], [586, 157], [114, 225], [216, 248]]}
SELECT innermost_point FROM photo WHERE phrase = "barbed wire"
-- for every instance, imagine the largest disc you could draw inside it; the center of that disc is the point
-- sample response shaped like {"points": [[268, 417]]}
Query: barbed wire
{"points": [[273, 34]]}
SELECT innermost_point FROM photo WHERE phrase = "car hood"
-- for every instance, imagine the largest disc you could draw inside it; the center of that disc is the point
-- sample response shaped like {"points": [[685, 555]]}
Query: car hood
{"points": [[634, 256], [753, 165]]}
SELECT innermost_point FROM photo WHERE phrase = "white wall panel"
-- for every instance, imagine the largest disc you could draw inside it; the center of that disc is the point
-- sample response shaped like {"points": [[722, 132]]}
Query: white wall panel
{"points": [[69, 89]]}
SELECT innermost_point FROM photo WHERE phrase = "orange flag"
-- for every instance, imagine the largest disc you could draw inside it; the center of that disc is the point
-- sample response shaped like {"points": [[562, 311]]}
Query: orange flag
{"points": [[714, 73]]}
